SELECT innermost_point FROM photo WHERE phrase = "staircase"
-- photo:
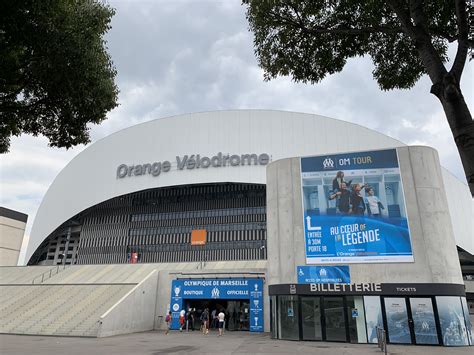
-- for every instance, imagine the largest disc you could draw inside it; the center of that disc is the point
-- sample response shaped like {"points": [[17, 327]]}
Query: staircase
{"points": [[68, 303]]}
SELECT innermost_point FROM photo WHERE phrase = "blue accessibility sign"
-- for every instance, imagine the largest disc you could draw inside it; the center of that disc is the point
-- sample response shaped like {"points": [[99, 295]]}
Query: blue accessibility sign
{"points": [[323, 274]]}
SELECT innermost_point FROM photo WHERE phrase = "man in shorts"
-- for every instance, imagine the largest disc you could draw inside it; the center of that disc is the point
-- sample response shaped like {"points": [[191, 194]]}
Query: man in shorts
{"points": [[221, 318]]}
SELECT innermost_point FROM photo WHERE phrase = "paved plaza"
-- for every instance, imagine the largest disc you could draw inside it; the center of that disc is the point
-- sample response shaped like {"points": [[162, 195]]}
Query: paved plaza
{"points": [[155, 343]]}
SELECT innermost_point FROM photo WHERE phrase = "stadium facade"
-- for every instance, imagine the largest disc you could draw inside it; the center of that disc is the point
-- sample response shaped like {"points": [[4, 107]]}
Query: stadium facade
{"points": [[252, 193]]}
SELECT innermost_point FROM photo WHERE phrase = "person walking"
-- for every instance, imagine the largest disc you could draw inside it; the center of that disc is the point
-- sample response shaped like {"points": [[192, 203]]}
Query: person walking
{"points": [[182, 320], [190, 319], [168, 322], [221, 318], [205, 321], [213, 321]]}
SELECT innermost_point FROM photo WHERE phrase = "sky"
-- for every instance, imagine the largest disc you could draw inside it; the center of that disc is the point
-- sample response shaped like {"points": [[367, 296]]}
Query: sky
{"points": [[181, 56]]}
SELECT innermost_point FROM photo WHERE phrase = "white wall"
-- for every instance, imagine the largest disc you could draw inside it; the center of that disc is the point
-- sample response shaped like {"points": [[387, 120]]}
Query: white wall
{"points": [[135, 312]]}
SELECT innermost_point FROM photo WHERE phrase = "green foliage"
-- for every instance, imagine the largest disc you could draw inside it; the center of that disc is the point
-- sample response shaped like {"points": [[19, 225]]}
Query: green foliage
{"points": [[308, 40], [55, 73]]}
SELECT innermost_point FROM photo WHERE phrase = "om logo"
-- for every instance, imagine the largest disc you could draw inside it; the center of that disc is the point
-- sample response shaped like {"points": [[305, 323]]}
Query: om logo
{"points": [[215, 292]]}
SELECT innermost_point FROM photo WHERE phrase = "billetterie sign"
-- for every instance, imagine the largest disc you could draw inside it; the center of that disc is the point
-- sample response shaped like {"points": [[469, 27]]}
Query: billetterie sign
{"points": [[361, 287], [194, 161]]}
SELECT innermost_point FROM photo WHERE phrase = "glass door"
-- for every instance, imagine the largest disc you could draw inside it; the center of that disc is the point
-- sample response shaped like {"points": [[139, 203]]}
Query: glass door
{"points": [[311, 318], [424, 325], [334, 319], [288, 318], [397, 320], [356, 319]]}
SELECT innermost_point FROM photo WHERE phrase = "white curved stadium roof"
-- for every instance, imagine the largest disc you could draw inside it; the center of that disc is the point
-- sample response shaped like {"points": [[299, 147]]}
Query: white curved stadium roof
{"points": [[91, 177]]}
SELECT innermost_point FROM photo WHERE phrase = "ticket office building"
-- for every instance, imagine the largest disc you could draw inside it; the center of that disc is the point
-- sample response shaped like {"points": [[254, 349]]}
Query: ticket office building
{"points": [[410, 314], [417, 297]]}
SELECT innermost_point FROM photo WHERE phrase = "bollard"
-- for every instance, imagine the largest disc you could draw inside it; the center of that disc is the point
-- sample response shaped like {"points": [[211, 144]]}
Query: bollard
{"points": [[382, 339]]}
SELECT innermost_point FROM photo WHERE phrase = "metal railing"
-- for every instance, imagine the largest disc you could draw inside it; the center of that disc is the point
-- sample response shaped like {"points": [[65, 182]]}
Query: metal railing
{"points": [[382, 339], [48, 274]]}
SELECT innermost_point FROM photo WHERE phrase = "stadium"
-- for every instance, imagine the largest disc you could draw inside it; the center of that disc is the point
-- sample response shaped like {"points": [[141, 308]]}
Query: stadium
{"points": [[238, 210]]}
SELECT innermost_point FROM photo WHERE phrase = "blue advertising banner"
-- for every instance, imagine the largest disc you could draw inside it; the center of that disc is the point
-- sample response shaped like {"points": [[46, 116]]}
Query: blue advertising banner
{"points": [[323, 274], [354, 209], [251, 289]]}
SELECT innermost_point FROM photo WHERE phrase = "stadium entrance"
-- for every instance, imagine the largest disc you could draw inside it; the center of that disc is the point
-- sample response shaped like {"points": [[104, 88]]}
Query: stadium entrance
{"points": [[236, 313], [240, 298]]}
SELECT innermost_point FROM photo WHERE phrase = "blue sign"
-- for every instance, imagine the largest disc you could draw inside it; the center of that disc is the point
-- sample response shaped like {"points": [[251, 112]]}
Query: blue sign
{"points": [[250, 289], [361, 160], [323, 274], [354, 209]]}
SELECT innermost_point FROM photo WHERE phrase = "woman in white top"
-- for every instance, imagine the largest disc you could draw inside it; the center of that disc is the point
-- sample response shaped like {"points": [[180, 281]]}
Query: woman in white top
{"points": [[221, 317]]}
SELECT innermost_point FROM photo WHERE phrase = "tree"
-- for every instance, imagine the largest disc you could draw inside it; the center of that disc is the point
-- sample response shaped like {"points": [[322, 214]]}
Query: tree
{"points": [[406, 39], [55, 73]]}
